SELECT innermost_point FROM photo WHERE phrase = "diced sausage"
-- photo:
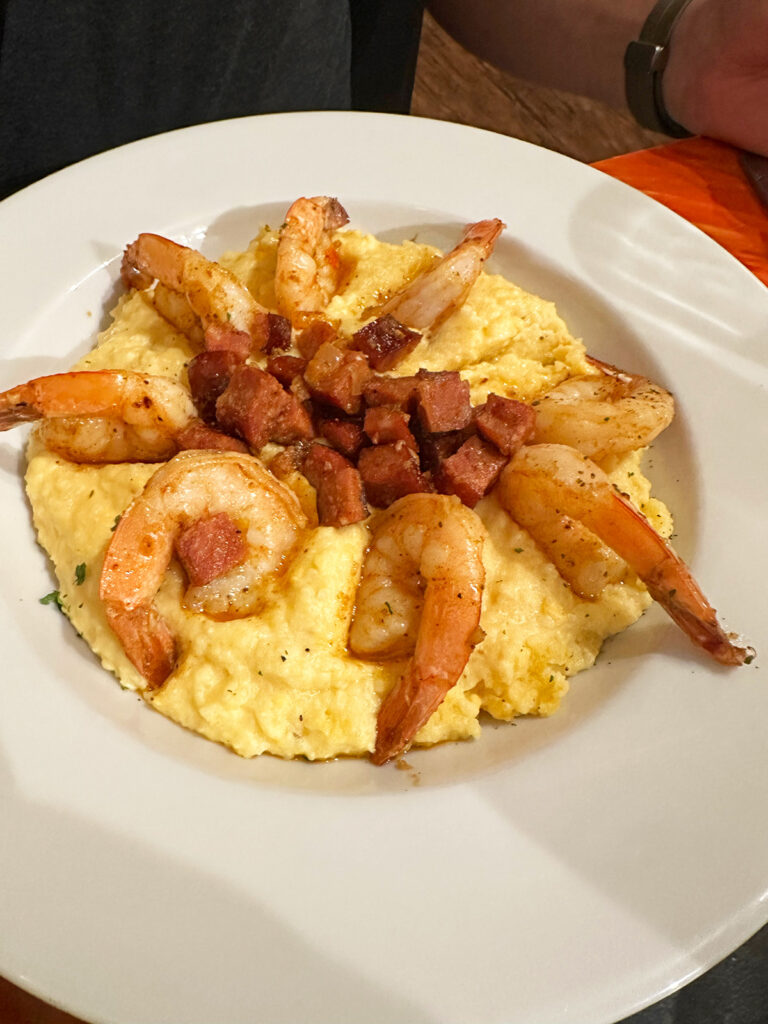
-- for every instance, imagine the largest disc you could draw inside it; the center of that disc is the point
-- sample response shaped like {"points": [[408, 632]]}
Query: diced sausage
{"points": [[346, 436], [211, 547], [285, 368], [435, 448], [289, 460], [340, 498], [389, 471], [505, 422], [399, 392], [442, 401], [199, 435], [385, 341], [279, 333], [209, 374], [292, 422], [313, 336], [337, 377], [385, 425], [471, 472], [255, 407], [220, 338]]}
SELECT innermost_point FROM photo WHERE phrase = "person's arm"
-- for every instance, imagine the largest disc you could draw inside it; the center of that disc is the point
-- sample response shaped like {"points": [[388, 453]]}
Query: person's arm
{"points": [[716, 80], [715, 83], [576, 45]]}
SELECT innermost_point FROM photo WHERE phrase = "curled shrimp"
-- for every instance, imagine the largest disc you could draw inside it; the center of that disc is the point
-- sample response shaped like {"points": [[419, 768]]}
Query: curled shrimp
{"points": [[194, 293], [561, 479], [608, 413], [308, 267], [441, 290], [194, 486], [420, 593], [101, 416]]}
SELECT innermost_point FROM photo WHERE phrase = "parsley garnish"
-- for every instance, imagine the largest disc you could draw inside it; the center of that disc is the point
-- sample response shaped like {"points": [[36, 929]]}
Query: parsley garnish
{"points": [[53, 598], [80, 574]]}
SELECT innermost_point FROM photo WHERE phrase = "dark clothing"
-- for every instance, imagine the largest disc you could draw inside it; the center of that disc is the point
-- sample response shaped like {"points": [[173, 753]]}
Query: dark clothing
{"points": [[80, 77]]}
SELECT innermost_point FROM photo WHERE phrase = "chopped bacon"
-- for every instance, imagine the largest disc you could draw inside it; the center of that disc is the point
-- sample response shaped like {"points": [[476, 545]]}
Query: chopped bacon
{"points": [[443, 401], [209, 374], [279, 333], [285, 368], [340, 498], [211, 547], [199, 435], [385, 341], [255, 407], [390, 471], [505, 422], [337, 377], [471, 472], [399, 392], [315, 334], [221, 338], [385, 425], [346, 436]]}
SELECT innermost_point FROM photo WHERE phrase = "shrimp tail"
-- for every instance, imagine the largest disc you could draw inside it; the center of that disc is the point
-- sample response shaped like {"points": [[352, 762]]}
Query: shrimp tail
{"points": [[691, 611], [146, 640], [17, 406], [405, 709], [667, 577]]}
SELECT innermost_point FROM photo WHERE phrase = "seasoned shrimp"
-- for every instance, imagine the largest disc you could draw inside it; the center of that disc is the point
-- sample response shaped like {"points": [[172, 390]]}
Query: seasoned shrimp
{"points": [[195, 486], [308, 266], [102, 415], [441, 290], [420, 592], [209, 292], [608, 413], [561, 479]]}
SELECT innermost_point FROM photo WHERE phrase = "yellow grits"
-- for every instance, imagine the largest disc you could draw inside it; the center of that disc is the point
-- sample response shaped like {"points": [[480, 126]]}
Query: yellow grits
{"points": [[283, 681]]}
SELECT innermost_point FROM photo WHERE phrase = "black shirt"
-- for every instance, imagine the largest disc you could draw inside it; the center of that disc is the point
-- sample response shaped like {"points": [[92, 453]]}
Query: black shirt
{"points": [[80, 77]]}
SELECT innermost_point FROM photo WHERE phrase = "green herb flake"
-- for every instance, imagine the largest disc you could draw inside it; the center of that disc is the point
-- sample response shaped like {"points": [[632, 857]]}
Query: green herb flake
{"points": [[80, 574], [113, 527], [518, 551], [53, 598], [388, 607]]}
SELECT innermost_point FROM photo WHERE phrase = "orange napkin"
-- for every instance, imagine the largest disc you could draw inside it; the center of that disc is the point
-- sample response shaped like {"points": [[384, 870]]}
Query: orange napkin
{"points": [[702, 180]]}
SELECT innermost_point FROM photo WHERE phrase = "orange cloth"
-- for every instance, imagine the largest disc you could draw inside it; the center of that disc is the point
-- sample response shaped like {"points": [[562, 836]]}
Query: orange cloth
{"points": [[702, 180]]}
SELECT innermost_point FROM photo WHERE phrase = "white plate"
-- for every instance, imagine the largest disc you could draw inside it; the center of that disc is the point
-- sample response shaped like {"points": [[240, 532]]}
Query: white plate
{"points": [[562, 870]]}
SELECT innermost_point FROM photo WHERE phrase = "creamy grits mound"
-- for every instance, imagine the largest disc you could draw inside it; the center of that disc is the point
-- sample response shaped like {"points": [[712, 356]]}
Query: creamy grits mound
{"points": [[283, 681]]}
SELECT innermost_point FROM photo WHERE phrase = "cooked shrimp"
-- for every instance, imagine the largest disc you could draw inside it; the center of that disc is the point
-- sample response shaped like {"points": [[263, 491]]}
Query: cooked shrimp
{"points": [[213, 294], [193, 486], [308, 266], [102, 415], [608, 413], [441, 290], [561, 479], [420, 593]]}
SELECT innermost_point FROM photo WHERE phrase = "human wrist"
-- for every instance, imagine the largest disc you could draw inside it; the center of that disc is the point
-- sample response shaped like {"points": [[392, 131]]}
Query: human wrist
{"points": [[683, 92]]}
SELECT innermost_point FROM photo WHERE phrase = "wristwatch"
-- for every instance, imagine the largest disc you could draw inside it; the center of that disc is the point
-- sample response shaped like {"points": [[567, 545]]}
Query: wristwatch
{"points": [[644, 63]]}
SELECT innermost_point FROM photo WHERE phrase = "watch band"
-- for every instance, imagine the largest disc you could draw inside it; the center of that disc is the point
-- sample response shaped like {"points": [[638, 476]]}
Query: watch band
{"points": [[644, 63]]}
